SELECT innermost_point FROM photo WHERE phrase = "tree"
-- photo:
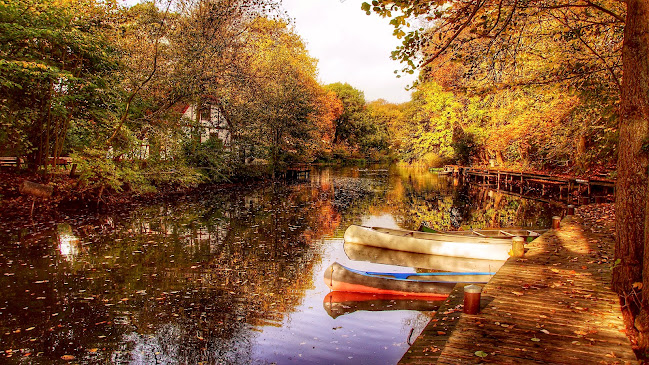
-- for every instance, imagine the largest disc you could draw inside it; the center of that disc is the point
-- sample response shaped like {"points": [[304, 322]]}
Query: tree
{"points": [[500, 25], [330, 108], [348, 124], [272, 105], [390, 121], [56, 67]]}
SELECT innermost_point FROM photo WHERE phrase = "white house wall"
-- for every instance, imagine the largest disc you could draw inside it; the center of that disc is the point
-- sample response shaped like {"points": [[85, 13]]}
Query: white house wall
{"points": [[216, 125]]}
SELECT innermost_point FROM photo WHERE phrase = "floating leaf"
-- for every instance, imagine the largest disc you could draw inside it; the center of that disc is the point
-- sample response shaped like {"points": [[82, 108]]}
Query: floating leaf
{"points": [[535, 339]]}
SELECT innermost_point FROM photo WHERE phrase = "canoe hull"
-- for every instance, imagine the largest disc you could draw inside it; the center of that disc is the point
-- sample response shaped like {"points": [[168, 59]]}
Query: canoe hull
{"points": [[340, 278], [430, 243], [377, 255]]}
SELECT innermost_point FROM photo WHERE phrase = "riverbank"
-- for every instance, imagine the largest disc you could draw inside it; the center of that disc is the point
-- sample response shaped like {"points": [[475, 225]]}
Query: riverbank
{"points": [[554, 305], [68, 196]]}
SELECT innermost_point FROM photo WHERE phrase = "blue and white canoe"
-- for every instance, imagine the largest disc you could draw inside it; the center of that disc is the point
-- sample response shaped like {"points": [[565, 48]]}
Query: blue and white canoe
{"points": [[473, 247], [432, 284]]}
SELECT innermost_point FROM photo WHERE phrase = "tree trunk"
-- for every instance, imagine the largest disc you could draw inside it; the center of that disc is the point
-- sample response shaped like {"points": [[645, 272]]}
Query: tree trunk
{"points": [[632, 160], [580, 157], [631, 188]]}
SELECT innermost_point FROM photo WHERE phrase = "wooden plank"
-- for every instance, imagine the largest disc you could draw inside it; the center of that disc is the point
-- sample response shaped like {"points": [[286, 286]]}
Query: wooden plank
{"points": [[552, 306], [427, 347]]}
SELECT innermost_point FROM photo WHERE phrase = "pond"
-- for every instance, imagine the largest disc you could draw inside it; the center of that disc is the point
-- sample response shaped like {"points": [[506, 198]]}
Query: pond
{"points": [[231, 276]]}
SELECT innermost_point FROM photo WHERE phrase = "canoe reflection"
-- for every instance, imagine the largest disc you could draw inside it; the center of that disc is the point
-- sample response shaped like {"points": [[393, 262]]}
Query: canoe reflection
{"points": [[358, 252], [340, 303]]}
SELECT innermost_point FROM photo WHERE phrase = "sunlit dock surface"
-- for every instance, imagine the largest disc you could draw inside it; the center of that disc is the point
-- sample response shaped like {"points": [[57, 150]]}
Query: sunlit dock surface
{"points": [[553, 306]]}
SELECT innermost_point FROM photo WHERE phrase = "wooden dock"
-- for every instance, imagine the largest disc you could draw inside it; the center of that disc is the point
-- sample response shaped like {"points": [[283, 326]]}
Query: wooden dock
{"points": [[554, 306], [297, 172], [571, 189]]}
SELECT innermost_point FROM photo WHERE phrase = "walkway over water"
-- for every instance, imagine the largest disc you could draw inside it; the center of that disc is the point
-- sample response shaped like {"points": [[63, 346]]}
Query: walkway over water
{"points": [[553, 306], [568, 187]]}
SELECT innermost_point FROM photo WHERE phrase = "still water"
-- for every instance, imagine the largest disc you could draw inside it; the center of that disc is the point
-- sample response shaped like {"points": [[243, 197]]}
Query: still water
{"points": [[233, 276]]}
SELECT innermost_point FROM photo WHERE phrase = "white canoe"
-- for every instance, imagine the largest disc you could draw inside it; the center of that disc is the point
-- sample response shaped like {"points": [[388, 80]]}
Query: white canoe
{"points": [[384, 256], [430, 243]]}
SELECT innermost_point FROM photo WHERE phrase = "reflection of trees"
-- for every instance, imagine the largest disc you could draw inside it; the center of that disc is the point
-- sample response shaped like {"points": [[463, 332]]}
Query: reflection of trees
{"points": [[496, 209], [417, 197], [424, 197], [176, 283]]}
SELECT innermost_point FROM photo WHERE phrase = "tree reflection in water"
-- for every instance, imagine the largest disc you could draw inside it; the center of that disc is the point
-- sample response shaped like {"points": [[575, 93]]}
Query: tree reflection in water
{"points": [[203, 279]]}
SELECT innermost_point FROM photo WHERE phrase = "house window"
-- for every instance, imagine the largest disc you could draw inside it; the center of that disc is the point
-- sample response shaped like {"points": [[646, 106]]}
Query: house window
{"points": [[206, 113]]}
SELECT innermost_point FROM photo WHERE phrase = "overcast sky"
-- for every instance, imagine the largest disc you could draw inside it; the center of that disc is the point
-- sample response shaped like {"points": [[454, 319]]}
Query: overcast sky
{"points": [[351, 46]]}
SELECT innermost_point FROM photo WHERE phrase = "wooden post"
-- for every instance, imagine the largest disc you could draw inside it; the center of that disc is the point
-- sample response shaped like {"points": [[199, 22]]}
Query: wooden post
{"points": [[571, 210], [472, 299], [556, 222], [518, 246]]}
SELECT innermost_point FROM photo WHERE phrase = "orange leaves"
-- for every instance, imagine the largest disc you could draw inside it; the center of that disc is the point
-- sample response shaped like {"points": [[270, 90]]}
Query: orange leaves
{"points": [[329, 108]]}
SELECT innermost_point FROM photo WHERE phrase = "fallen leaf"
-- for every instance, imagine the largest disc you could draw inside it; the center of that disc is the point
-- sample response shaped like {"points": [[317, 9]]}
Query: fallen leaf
{"points": [[480, 354], [67, 357]]}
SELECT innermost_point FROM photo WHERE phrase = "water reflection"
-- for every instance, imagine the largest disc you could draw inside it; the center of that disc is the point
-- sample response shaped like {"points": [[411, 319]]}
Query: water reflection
{"points": [[229, 276], [340, 303], [69, 244]]}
